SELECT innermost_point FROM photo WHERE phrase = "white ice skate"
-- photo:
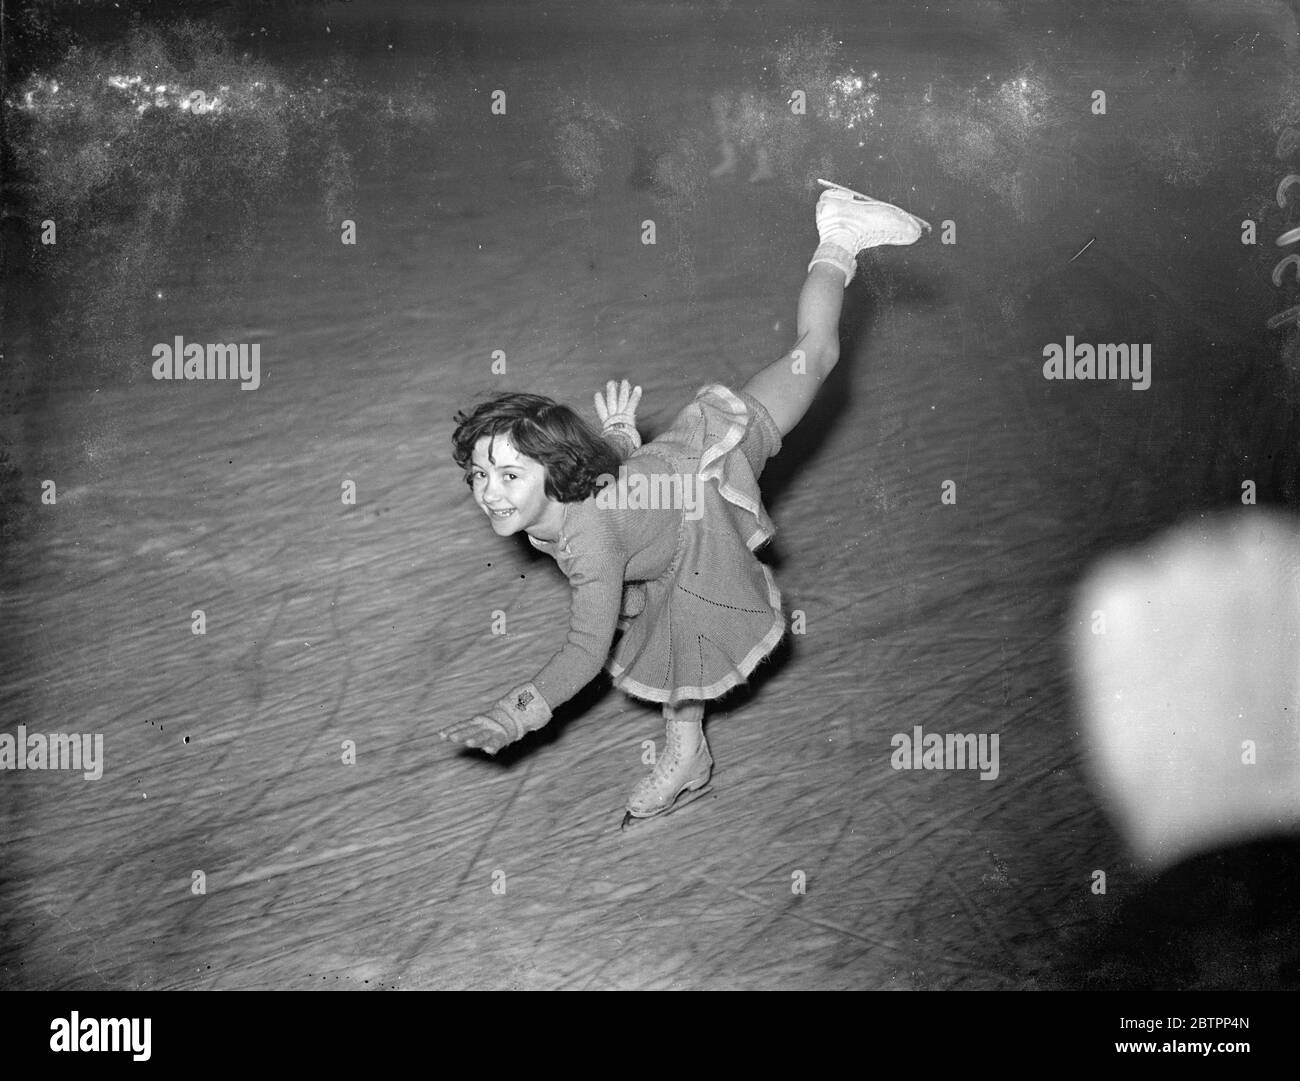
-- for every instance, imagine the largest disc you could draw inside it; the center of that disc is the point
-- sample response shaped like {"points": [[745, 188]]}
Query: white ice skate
{"points": [[679, 769], [856, 221], [849, 222]]}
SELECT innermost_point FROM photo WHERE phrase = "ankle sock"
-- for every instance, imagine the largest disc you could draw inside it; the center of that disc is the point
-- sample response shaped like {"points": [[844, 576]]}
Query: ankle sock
{"points": [[838, 256]]}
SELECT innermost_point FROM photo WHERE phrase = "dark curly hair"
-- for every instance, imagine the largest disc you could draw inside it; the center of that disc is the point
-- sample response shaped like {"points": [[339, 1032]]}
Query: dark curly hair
{"points": [[575, 457]]}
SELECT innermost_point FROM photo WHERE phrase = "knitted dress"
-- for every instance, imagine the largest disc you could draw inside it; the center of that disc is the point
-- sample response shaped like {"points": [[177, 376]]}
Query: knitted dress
{"points": [[684, 518]]}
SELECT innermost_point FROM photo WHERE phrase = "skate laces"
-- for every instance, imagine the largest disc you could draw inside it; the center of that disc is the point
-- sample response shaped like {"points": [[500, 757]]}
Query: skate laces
{"points": [[676, 755]]}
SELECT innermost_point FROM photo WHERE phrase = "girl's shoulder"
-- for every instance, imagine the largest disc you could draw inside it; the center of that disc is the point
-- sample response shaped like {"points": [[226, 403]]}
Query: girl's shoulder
{"points": [[599, 539], [587, 531], [586, 523]]}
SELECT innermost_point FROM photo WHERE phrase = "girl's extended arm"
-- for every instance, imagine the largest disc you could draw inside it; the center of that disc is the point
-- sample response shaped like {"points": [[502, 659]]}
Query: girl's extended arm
{"points": [[596, 578], [594, 564]]}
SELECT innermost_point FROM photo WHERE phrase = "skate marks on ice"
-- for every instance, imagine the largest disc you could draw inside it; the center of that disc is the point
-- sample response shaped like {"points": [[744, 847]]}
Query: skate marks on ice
{"points": [[386, 873]]}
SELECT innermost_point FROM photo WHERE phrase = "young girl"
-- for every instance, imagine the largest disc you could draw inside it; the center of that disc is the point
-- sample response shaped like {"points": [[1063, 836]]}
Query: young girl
{"points": [[700, 611]]}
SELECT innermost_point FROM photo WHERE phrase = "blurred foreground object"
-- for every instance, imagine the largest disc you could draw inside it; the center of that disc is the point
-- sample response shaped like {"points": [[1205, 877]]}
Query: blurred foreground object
{"points": [[1187, 660], [1187, 667]]}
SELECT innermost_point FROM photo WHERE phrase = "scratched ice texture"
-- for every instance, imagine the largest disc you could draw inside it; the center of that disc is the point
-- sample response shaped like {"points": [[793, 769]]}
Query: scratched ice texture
{"points": [[522, 232]]}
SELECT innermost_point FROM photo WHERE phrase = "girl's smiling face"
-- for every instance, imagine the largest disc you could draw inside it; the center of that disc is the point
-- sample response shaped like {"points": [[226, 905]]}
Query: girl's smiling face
{"points": [[510, 487]]}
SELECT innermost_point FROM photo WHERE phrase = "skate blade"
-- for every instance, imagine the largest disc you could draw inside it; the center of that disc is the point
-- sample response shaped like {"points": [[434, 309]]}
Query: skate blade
{"points": [[680, 802], [869, 199]]}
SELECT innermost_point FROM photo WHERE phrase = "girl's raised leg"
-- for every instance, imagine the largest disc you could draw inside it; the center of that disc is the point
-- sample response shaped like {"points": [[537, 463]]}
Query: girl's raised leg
{"points": [[787, 387], [847, 223]]}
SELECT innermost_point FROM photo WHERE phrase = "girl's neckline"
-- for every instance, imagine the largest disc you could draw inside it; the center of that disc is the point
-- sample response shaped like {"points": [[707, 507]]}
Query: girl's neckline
{"points": [[564, 522]]}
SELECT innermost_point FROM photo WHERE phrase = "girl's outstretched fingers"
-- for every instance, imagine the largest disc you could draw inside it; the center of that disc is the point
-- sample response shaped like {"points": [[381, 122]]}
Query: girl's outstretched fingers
{"points": [[480, 732], [619, 403]]}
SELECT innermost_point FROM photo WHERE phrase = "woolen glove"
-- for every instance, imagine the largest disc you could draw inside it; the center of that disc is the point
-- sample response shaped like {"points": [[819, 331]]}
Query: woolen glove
{"points": [[617, 410], [521, 711]]}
